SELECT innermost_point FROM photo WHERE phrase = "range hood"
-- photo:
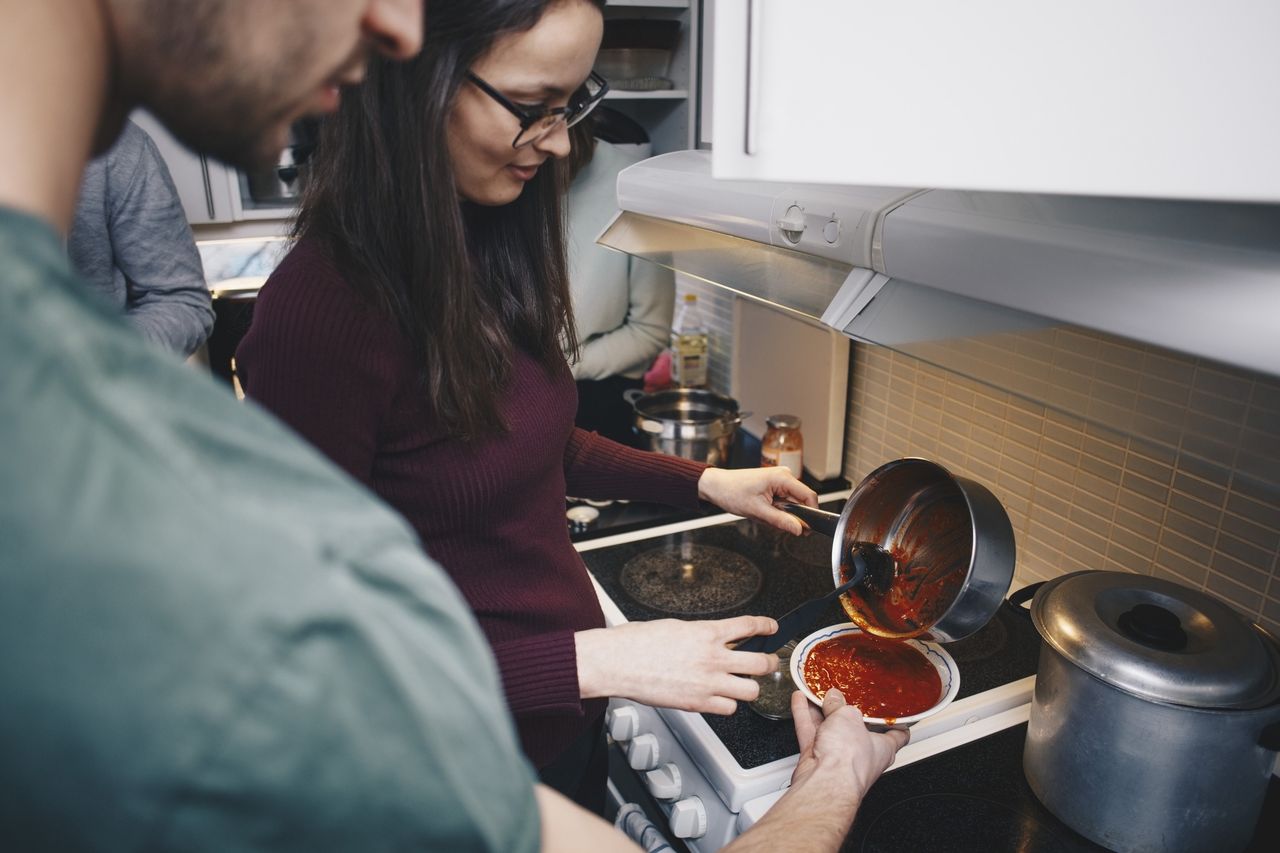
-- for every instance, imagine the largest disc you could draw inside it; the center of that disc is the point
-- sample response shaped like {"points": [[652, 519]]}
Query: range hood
{"points": [[917, 267]]}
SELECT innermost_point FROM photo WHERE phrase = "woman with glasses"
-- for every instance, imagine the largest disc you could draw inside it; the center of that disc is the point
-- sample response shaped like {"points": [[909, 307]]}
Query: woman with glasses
{"points": [[414, 334]]}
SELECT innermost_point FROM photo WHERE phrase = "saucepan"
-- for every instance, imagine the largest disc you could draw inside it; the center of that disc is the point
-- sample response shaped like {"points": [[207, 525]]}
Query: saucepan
{"points": [[688, 422], [931, 554]]}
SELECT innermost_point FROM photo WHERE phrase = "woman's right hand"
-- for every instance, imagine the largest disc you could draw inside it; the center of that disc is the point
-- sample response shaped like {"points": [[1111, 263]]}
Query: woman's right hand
{"points": [[673, 663]]}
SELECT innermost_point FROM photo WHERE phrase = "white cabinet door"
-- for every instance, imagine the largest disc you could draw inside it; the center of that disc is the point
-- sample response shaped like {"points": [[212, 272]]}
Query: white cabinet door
{"points": [[204, 185], [1134, 98]]}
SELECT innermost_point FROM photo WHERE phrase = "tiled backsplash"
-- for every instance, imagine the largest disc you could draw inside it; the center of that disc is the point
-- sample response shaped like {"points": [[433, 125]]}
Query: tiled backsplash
{"points": [[1201, 509]]}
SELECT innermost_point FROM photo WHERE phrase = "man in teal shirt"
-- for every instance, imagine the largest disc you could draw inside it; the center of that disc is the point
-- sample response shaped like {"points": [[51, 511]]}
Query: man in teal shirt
{"points": [[210, 639]]}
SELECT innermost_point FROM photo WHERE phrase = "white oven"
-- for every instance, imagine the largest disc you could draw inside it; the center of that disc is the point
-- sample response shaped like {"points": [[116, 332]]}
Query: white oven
{"points": [[705, 793]]}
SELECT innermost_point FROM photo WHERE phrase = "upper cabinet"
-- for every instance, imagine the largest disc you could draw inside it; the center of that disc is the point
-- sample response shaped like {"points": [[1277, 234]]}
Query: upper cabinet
{"points": [[1142, 98], [650, 58], [213, 193]]}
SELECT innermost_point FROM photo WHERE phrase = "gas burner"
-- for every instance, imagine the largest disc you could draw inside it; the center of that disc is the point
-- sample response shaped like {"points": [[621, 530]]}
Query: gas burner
{"points": [[989, 640], [691, 580], [810, 550], [983, 824]]}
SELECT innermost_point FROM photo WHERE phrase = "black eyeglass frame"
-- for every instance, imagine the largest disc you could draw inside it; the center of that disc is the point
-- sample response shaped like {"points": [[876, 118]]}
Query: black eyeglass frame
{"points": [[573, 112]]}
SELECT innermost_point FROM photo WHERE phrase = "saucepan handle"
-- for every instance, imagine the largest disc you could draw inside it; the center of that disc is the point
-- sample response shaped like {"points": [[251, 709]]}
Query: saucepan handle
{"points": [[1022, 596], [631, 395], [815, 519]]}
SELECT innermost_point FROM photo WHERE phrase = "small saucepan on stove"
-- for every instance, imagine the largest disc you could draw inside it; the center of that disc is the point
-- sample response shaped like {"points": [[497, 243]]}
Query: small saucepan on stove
{"points": [[935, 551], [691, 423]]}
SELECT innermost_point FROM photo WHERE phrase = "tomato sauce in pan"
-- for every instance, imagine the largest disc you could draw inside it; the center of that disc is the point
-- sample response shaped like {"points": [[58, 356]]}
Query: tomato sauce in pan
{"points": [[931, 565], [884, 678]]}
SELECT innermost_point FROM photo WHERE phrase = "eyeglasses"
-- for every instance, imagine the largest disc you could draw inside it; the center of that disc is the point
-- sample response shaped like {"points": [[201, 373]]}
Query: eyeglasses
{"points": [[538, 122]]}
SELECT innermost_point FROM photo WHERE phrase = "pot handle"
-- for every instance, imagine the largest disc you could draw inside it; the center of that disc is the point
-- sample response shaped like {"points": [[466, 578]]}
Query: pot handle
{"points": [[1270, 738], [1022, 596], [631, 395], [815, 519]]}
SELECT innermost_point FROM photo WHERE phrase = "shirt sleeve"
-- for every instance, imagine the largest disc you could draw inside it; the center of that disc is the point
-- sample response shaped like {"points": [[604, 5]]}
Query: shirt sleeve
{"points": [[316, 357], [167, 298], [632, 346], [599, 468], [540, 674]]}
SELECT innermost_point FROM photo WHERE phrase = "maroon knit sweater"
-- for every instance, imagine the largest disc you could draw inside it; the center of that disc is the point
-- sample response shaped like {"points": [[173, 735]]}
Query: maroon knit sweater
{"points": [[491, 512]]}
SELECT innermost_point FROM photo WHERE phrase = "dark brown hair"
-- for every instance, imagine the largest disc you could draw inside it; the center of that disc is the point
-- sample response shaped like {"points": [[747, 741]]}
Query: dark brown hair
{"points": [[465, 283]]}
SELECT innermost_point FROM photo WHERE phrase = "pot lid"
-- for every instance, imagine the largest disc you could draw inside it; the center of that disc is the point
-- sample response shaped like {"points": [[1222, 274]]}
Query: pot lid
{"points": [[1158, 640]]}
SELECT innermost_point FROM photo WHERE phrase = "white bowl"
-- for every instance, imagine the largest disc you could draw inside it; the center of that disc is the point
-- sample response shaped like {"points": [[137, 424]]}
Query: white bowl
{"points": [[948, 672]]}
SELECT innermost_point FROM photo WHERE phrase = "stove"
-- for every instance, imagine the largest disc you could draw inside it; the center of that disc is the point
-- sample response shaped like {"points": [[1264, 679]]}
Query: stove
{"points": [[715, 775], [958, 785]]}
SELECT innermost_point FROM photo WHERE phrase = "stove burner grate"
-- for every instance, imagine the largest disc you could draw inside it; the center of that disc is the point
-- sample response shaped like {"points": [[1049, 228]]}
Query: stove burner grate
{"points": [[691, 580]]}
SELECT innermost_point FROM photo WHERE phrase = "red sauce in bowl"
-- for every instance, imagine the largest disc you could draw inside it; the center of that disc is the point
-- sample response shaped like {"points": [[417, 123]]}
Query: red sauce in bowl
{"points": [[883, 678]]}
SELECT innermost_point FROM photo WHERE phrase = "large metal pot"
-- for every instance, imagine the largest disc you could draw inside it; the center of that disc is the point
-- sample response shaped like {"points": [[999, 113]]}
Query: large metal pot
{"points": [[938, 551], [687, 422], [1156, 714]]}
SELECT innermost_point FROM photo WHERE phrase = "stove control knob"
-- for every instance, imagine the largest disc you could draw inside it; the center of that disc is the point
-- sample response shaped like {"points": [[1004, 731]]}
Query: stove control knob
{"points": [[664, 783], [642, 754], [623, 723], [689, 818]]}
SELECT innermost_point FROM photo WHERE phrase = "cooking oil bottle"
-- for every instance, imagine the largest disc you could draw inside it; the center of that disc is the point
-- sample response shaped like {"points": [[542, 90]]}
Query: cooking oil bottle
{"points": [[689, 341]]}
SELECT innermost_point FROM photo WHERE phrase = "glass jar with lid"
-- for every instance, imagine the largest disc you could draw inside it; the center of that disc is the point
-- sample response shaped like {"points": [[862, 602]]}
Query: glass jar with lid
{"points": [[783, 445]]}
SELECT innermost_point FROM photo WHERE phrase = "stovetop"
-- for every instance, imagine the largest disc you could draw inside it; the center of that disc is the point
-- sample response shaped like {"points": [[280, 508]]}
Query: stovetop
{"points": [[975, 799], [970, 797], [795, 569]]}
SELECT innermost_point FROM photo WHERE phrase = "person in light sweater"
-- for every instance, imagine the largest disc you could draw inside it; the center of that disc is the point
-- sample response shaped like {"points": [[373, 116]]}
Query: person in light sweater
{"points": [[414, 334], [622, 305]]}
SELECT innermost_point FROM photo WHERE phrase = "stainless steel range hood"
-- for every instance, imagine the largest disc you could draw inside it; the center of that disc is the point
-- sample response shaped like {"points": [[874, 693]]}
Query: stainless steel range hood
{"points": [[928, 270]]}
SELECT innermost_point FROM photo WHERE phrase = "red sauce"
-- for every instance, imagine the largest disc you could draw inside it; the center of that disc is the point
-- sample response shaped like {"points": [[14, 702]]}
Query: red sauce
{"points": [[884, 678]]}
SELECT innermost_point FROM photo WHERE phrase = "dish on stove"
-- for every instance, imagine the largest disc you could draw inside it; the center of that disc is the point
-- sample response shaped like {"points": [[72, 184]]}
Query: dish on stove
{"points": [[873, 671], [774, 701]]}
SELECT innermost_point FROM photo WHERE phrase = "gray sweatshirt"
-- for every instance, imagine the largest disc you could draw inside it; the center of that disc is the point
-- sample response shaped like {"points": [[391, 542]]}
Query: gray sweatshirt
{"points": [[130, 240]]}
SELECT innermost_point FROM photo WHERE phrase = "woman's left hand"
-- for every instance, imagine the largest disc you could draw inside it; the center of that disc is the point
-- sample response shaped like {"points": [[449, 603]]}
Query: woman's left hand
{"points": [[751, 492]]}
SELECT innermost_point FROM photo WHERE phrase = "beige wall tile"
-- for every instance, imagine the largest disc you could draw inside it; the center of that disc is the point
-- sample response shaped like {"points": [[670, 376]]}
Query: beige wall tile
{"points": [[1169, 367], [1232, 385], [1146, 528], [1141, 547]]}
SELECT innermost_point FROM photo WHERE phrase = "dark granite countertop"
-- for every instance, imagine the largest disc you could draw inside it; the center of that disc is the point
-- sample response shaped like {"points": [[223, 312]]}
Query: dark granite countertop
{"points": [[975, 799]]}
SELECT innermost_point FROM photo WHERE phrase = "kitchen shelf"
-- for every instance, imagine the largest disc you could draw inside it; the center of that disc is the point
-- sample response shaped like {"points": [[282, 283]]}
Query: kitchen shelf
{"points": [[649, 95]]}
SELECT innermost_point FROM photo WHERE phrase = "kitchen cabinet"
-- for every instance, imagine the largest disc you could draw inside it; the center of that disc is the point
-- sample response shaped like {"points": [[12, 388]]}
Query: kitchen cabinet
{"points": [[211, 192], [668, 115], [1144, 98]]}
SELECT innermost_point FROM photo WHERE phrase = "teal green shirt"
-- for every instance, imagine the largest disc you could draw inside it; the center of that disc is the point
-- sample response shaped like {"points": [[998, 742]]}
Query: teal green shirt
{"points": [[210, 638]]}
